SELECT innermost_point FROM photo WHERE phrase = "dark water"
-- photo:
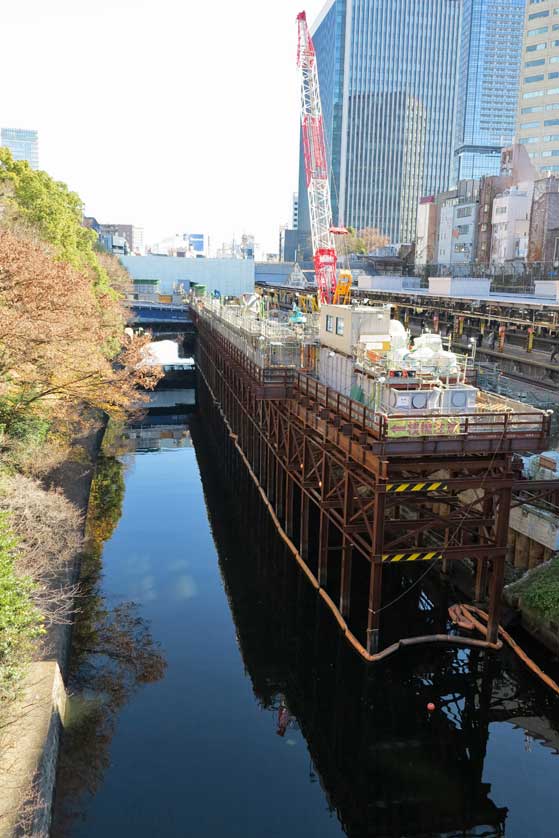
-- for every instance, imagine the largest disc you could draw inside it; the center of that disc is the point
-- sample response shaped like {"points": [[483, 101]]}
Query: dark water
{"points": [[263, 722]]}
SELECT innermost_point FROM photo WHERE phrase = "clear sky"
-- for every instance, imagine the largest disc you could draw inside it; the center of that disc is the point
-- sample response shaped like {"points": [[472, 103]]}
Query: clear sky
{"points": [[174, 115]]}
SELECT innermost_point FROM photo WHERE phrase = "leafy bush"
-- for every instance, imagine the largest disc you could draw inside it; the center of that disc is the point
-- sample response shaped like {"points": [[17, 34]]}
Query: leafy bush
{"points": [[540, 592], [20, 620]]}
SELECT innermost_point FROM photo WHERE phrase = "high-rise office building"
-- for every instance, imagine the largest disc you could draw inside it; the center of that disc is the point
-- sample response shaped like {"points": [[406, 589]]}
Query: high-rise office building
{"points": [[295, 211], [388, 77], [23, 144], [489, 69], [538, 102]]}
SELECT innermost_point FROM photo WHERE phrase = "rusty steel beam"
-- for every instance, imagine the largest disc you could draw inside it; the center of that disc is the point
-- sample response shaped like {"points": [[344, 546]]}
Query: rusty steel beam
{"points": [[295, 432]]}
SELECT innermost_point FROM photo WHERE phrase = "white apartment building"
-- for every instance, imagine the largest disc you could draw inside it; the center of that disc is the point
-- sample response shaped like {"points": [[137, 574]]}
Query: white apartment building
{"points": [[427, 231], [538, 106], [457, 233], [138, 244], [511, 224]]}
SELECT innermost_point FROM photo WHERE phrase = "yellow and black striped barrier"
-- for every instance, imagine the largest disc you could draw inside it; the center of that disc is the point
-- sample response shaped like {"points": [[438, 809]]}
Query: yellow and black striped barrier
{"points": [[412, 557], [415, 487]]}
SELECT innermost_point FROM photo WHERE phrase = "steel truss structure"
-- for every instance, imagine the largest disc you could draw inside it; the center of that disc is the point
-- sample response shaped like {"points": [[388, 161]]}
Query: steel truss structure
{"points": [[382, 501], [316, 166]]}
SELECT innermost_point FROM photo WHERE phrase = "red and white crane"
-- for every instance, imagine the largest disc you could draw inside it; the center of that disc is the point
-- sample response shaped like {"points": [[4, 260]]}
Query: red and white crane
{"points": [[316, 166]]}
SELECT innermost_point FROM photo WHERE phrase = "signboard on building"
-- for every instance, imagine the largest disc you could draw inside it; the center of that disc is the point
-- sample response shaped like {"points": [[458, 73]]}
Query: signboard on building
{"points": [[196, 241], [424, 426]]}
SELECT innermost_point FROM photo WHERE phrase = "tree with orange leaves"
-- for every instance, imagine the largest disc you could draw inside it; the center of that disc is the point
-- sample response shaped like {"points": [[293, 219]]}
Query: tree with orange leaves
{"points": [[62, 341]]}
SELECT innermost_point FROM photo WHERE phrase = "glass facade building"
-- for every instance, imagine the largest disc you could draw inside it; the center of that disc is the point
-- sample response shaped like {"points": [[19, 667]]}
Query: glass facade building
{"points": [[388, 78], [490, 57], [23, 144]]}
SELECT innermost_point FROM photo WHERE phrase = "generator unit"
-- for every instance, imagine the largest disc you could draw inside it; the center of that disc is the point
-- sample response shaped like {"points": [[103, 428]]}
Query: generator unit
{"points": [[459, 399], [409, 401]]}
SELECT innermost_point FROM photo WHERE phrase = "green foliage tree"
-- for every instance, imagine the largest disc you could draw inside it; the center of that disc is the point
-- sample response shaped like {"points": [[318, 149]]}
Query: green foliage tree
{"points": [[361, 242], [53, 211]]}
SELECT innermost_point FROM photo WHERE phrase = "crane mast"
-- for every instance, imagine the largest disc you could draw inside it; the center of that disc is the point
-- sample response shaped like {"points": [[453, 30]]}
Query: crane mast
{"points": [[316, 166]]}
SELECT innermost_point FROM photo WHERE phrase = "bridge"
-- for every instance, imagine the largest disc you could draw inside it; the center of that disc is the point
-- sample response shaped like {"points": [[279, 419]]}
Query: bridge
{"points": [[153, 314]]}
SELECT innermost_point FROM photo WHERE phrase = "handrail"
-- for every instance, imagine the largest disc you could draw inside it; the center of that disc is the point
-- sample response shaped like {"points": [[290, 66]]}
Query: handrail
{"points": [[502, 425], [498, 425]]}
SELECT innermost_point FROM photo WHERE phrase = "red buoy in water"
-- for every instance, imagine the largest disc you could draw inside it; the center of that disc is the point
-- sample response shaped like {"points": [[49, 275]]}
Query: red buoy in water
{"points": [[431, 707]]}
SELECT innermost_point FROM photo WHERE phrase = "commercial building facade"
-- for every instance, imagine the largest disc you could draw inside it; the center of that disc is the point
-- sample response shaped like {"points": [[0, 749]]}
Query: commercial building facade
{"points": [[458, 226], [22, 143], [538, 102], [497, 221], [417, 96], [388, 74], [511, 224], [488, 77], [543, 247]]}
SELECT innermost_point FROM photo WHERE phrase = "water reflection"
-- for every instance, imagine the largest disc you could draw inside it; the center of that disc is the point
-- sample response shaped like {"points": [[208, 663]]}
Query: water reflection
{"points": [[388, 766], [482, 764], [113, 651]]}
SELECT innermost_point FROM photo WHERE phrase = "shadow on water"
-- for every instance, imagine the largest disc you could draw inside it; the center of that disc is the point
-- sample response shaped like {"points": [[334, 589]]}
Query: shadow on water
{"points": [[387, 767]]}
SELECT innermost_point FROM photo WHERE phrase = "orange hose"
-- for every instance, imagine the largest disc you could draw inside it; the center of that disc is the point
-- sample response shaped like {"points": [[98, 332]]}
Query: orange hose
{"points": [[462, 616], [348, 634]]}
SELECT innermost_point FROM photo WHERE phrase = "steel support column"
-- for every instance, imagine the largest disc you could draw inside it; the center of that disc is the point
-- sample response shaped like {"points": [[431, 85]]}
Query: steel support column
{"points": [[497, 577], [345, 581], [324, 535]]}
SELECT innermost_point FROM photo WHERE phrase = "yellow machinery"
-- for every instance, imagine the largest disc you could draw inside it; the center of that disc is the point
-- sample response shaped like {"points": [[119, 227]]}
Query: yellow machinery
{"points": [[308, 303], [343, 288]]}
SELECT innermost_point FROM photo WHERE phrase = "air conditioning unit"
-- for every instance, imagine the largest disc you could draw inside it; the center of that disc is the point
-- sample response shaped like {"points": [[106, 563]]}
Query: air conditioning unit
{"points": [[409, 401], [460, 399]]}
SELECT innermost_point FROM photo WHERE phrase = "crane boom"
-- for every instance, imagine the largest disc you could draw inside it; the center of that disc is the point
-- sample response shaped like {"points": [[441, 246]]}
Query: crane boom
{"points": [[316, 166]]}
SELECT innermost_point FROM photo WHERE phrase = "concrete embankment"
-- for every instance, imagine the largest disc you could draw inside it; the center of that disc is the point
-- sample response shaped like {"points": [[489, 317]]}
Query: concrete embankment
{"points": [[30, 737]]}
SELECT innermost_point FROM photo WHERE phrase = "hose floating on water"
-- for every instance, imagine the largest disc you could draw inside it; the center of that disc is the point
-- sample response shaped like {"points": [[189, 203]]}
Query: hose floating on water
{"points": [[462, 615]]}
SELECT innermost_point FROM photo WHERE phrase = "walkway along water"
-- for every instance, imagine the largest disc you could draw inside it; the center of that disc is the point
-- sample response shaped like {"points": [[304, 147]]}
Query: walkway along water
{"points": [[255, 718]]}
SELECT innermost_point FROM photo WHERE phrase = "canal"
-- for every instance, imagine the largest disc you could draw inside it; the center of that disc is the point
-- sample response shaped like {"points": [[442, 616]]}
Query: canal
{"points": [[213, 696]]}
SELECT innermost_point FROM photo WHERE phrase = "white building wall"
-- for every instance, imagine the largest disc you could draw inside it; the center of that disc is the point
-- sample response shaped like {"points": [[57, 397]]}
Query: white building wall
{"points": [[231, 277], [446, 222], [457, 233], [511, 223], [426, 234]]}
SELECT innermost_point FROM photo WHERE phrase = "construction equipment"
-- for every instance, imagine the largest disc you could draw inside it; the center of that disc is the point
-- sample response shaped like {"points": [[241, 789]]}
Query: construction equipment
{"points": [[316, 166], [342, 295]]}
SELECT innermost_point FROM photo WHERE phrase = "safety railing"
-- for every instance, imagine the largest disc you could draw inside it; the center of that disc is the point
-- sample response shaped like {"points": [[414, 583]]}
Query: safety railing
{"points": [[505, 424], [489, 422]]}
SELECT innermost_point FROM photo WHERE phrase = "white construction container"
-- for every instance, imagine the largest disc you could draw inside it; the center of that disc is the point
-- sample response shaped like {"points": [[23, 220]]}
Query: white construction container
{"points": [[455, 286], [547, 288]]}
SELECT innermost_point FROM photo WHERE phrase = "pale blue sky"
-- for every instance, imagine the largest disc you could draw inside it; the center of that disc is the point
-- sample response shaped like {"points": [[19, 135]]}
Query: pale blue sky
{"points": [[170, 114]]}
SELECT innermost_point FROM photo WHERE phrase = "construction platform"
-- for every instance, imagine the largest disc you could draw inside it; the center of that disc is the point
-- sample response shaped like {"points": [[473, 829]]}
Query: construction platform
{"points": [[403, 463]]}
